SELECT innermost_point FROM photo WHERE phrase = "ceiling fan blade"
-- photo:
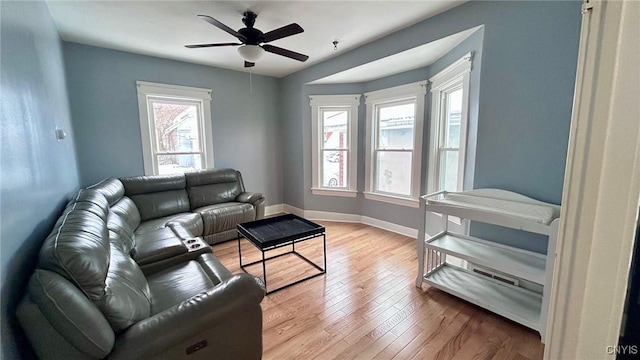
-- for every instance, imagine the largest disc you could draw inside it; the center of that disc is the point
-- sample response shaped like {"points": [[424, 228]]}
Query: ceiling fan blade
{"points": [[249, 64], [210, 45], [284, 52], [223, 27], [284, 31]]}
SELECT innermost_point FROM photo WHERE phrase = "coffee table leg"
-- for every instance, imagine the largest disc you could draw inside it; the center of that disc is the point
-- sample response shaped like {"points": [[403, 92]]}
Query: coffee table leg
{"points": [[264, 271], [240, 251], [324, 245]]}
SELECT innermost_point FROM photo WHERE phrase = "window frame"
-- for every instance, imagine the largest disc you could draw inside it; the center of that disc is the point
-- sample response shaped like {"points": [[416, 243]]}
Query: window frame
{"points": [[456, 75], [319, 104], [149, 92], [390, 96]]}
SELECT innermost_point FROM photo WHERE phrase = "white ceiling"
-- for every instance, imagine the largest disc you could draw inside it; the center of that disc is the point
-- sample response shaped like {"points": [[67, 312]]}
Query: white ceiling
{"points": [[162, 28], [414, 58]]}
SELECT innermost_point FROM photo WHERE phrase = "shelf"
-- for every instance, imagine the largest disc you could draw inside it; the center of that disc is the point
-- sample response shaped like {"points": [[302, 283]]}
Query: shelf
{"points": [[490, 218], [497, 207], [520, 305], [522, 264]]}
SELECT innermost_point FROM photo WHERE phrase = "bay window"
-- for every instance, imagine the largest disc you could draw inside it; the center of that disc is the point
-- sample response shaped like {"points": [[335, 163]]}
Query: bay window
{"points": [[334, 144], [394, 144]]}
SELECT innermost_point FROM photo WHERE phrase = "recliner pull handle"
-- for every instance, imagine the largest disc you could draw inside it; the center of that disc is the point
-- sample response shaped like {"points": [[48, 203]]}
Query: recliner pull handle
{"points": [[197, 346]]}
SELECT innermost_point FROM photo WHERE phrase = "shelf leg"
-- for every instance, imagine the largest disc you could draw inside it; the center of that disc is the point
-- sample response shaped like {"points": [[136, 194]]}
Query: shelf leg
{"points": [[548, 280], [420, 246]]}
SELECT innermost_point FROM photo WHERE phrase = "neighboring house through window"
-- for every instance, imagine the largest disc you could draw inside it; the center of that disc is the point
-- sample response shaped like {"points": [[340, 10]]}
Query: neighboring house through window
{"points": [[395, 117], [175, 125], [449, 118], [334, 135]]}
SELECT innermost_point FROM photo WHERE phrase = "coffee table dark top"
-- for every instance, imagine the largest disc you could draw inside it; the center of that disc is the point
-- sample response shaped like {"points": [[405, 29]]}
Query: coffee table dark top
{"points": [[278, 230]]}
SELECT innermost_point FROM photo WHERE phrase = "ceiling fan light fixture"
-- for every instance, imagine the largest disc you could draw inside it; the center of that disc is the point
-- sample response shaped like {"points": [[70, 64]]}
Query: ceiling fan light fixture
{"points": [[251, 53]]}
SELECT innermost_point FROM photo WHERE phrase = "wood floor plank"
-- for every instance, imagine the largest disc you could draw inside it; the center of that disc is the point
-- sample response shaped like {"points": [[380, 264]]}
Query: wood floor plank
{"points": [[367, 307], [400, 342]]}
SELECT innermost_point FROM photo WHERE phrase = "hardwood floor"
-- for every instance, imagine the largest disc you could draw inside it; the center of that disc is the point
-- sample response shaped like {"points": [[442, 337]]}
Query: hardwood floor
{"points": [[367, 307]]}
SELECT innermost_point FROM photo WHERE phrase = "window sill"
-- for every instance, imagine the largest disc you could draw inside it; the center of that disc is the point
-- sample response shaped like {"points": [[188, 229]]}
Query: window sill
{"points": [[332, 192], [393, 199]]}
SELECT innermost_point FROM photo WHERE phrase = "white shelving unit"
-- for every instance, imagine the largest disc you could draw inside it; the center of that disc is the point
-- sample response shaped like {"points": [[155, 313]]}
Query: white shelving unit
{"points": [[496, 289]]}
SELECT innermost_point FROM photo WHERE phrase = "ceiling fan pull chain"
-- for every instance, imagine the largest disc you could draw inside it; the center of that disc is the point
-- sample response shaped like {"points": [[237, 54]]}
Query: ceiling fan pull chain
{"points": [[250, 81]]}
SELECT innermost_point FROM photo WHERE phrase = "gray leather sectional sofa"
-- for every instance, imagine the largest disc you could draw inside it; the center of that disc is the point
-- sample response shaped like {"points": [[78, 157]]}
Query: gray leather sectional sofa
{"points": [[125, 273]]}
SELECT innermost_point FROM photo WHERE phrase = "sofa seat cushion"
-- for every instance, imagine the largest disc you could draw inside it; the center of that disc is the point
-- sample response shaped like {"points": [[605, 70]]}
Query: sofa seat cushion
{"points": [[191, 222], [156, 245], [221, 217], [178, 283]]}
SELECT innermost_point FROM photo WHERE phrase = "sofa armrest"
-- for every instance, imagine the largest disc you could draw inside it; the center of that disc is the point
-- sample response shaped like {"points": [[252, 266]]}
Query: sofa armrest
{"points": [[255, 199], [220, 305], [252, 198]]}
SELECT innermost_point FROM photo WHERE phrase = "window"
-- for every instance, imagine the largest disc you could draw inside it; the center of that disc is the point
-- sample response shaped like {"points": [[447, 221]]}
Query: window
{"points": [[450, 99], [175, 125], [394, 143], [335, 138]]}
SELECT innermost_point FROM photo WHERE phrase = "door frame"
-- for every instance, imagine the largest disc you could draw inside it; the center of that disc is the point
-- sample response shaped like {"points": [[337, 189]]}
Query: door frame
{"points": [[601, 189]]}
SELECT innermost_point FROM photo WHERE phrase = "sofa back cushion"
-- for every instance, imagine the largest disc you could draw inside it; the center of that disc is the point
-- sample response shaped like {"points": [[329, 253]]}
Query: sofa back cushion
{"points": [[88, 200], [127, 297], [78, 246], [79, 249], [69, 312], [122, 221], [157, 196], [120, 232], [111, 188], [213, 186], [127, 210]]}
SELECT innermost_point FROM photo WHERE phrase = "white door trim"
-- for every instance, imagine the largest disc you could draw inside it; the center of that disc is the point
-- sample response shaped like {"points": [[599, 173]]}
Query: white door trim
{"points": [[601, 190]]}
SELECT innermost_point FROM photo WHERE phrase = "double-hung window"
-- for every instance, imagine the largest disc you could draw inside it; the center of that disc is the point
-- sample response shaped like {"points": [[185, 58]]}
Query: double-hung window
{"points": [[175, 126], [394, 143], [449, 118], [334, 144]]}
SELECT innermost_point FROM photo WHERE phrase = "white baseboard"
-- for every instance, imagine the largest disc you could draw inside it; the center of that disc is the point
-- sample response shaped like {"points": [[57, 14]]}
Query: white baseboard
{"points": [[273, 209], [293, 210], [341, 217], [331, 216], [389, 226]]}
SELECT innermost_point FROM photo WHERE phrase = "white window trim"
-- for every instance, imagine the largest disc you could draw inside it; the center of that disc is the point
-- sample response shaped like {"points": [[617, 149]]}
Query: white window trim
{"points": [[317, 102], [149, 89], [415, 90], [440, 83]]}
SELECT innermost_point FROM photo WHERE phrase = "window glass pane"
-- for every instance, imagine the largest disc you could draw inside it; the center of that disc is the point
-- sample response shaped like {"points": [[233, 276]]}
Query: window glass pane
{"points": [[449, 170], [334, 125], [177, 127], [393, 172], [395, 126], [334, 169], [171, 164], [453, 115]]}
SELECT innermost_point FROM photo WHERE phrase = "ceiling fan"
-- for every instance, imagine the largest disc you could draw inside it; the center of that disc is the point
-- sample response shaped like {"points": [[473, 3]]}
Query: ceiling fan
{"points": [[253, 41]]}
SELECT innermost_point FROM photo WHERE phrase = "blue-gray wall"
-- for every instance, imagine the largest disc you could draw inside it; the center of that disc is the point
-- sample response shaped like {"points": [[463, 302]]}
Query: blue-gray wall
{"points": [[104, 108], [529, 54], [38, 173]]}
